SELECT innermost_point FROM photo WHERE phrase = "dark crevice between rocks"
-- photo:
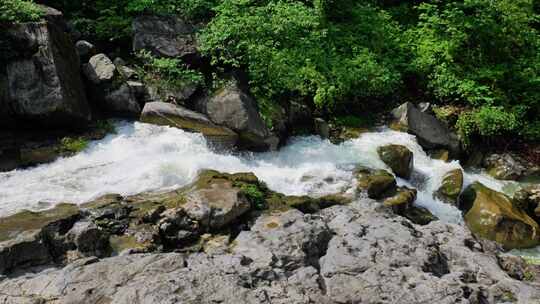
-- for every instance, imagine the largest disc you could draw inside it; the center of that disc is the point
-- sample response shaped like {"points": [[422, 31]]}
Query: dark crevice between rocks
{"points": [[437, 263]]}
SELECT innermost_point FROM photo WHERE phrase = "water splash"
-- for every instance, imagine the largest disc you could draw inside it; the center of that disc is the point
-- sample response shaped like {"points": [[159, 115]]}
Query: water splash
{"points": [[142, 157]]}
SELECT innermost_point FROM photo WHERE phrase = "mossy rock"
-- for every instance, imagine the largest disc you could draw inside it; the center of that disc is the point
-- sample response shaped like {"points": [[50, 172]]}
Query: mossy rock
{"points": [[440, 154], [399, 158], [419, 215], [451, 186], [492, 215], [23, 221], [401, 199], [376, 183]]}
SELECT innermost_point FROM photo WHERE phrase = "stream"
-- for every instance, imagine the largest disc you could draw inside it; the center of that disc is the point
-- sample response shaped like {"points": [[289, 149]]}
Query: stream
{"points": [[142, 157]]}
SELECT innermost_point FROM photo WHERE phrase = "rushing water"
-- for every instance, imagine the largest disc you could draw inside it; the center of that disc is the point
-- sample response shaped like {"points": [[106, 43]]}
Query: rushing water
{"points": [[142, 157]]}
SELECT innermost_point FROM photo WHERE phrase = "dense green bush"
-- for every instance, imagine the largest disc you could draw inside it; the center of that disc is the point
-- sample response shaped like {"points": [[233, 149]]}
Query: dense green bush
{"points": [[19, 11], [166, 74], [325, 51], [485, 54]]}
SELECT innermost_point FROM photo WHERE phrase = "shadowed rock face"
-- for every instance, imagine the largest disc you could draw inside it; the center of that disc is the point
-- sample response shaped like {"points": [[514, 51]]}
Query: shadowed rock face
{"points": [[40, 77], [343, 254]]}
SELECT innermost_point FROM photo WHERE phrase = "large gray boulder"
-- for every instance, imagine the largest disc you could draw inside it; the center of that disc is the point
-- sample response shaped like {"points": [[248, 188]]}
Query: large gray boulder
{"points": [[168, 114], [40, 83], [164, 36], [100, 69], [345, 254], [232, 107], [430, 132]]}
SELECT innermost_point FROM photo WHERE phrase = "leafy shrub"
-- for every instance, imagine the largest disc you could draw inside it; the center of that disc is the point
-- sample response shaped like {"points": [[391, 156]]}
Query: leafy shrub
{"points": [[353, 121], [73, 145], [254, 195], [17, 11], [483, 53], [327, 51], [166, 73]]}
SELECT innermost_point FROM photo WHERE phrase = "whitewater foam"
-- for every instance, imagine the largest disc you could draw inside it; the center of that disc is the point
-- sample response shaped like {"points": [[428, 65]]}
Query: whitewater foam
{"points": [[142, 157]]}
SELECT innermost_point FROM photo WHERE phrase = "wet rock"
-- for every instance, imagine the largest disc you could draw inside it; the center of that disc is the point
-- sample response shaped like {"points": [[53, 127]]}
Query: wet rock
{"points": [[376, 183], [430, 132], [504, 166], [164, 36], [440, 154], [491, 215], [26, 238], [398, 158], [40, 81], [528, 198], [451, 186], [176, 116], [513, 265], [401, 199], [233, 108], [322, 128], [418, 215], [100, 69]]}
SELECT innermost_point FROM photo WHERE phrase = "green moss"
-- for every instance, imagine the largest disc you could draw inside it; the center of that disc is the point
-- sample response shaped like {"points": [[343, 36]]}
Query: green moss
{"points": [[73, 145], [529, 276], [26, 220], [254, 195]]}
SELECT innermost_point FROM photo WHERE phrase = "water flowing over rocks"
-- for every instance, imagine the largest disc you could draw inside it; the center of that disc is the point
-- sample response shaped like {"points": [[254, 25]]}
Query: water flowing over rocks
{"points": [[168, 114]]}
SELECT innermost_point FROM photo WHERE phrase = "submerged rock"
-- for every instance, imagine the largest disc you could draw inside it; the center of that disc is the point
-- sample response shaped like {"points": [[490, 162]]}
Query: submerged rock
{"points": [[398, 158], [162, 113], [451, 186], [491, 215]]}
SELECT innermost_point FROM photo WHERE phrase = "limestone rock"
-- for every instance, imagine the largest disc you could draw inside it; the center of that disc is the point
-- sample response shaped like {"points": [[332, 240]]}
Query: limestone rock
{"points": [[100, 69]]}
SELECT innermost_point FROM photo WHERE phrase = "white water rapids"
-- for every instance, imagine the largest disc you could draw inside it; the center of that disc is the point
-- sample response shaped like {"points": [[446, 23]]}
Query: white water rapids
{"points": [[142, 157]]}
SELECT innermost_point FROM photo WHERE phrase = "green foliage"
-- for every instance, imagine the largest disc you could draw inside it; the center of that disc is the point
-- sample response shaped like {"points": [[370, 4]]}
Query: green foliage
{"points": [[195, 10], [73, 145], [353, 121], [254, 195], [529, 275], [106, 127], [484, 53], [166, 73], [326, 51], [16, 11]]}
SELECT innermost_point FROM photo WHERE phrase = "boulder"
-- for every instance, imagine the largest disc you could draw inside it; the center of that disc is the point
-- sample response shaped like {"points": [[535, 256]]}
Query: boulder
{"points": [[491, 215], [233, 108], [122, 102], [27, 238], [375, 182], [88, 238], [398, 158], [504, 166], [322, 128], [451, 186], [40, 83], [168, 114], [430, 132], [528, 199], [164, 36], [100, 70], [401, 199], [85, 50]]}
